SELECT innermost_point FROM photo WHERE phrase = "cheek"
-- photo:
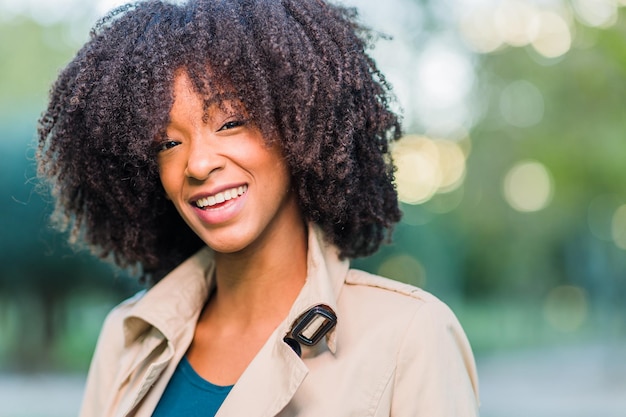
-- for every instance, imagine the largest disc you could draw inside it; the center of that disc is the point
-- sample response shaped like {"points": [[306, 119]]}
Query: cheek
{"points": [[167, 195], [168, 180]]}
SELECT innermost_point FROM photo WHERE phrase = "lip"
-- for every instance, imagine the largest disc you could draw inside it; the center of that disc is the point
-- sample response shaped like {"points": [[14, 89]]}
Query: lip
{"points": [[222, 212]]}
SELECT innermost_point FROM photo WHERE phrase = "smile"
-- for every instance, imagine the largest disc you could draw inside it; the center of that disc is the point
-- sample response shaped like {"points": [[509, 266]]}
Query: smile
{"points": [[221, 197]]}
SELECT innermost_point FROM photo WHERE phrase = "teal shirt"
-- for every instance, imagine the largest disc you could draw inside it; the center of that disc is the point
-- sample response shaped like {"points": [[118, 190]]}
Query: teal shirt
{"points": [[188, 394]]}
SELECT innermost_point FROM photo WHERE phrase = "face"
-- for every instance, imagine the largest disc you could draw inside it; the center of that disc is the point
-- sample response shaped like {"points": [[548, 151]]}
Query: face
{"points": [[227, 183]]}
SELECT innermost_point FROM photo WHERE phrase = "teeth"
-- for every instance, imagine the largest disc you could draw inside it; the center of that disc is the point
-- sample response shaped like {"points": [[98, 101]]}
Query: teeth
{"points": [[221, 197]]}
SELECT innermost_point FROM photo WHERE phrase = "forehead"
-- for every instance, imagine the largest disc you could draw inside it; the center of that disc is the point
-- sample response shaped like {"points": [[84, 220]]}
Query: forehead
{"points": [[203, 92]]}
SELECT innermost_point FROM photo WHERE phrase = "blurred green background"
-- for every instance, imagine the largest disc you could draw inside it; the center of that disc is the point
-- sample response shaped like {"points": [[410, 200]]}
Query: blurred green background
{"points": [[512, 177]]}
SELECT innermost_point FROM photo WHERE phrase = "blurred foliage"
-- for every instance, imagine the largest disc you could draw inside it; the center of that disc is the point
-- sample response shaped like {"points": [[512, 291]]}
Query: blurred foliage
{"points": [[40, 276], [484, 250], [580, 141], [482, 257]]}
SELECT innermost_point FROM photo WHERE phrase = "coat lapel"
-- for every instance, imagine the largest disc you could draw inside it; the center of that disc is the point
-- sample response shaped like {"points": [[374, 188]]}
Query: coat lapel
{"points": [[269, 382]]}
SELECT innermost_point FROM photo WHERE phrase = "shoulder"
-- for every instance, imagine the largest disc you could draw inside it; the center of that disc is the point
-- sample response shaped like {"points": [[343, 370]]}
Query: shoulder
{"points": [[387, 287], [373, 301], [392, 294], [411, 318], [431, 350]]}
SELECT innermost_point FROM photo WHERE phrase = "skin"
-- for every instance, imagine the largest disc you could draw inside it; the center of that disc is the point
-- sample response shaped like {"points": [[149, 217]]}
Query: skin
{"points": [[206, 153]]}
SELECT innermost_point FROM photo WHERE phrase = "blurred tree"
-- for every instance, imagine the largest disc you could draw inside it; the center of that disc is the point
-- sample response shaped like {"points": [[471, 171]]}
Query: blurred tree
{"points": [[38, 273], [579, 139], [485, 245]]}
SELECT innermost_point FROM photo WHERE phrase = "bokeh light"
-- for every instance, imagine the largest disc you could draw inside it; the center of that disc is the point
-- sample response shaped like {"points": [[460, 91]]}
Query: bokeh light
{"points": [[566, 308], [600, 216], [404, 268], [426, 166], [596, 13], [479, 30], [528, 186], [618, 227], [513, 19], [520, 23], [550, 35], [445, 76]]}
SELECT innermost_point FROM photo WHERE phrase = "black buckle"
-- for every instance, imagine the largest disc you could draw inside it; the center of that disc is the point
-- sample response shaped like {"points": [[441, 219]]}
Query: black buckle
{"points": [[311, 326]]}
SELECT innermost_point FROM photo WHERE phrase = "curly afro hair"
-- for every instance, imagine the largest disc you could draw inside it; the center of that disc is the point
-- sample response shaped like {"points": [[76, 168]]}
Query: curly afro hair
{"points": [[299, 68]]}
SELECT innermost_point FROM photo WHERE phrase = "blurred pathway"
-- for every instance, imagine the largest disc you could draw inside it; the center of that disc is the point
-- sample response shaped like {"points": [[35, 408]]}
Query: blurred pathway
{"points": [[585, 381], [588, 381], [40, 395]]}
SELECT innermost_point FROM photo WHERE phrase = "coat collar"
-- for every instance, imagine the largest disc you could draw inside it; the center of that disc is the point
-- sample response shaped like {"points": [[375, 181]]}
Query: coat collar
{"points": [[172, 302], [181, 295]]}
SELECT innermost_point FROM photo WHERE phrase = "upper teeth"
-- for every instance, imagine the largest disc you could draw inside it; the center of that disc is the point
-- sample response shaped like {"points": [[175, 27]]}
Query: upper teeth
{"points": [[221, 197]]}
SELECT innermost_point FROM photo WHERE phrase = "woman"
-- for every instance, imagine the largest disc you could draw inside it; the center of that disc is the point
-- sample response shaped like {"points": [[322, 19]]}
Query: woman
{"points": [[236, 153]]}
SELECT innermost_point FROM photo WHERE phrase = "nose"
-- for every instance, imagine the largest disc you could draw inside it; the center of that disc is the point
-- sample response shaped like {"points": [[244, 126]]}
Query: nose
{"points": [[202, 160]]}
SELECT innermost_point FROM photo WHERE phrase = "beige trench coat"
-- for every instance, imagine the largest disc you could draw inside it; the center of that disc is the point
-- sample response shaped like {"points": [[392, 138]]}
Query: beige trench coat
{"points": [[395, 351]]}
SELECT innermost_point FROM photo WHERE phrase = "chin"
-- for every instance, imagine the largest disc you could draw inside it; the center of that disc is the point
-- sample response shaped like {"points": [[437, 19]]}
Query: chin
{"points": [[227, 242]]}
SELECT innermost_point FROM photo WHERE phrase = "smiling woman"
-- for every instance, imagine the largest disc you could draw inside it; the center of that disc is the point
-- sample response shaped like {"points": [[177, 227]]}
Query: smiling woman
{"points": [[237, 152], [226, 182]]}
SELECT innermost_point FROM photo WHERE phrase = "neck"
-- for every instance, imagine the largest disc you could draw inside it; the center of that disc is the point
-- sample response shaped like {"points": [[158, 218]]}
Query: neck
{"points": [[262, 282]]}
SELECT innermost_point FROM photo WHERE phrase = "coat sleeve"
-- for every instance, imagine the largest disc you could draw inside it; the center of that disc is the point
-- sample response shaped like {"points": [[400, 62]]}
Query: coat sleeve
{"points": [[436, 372]]}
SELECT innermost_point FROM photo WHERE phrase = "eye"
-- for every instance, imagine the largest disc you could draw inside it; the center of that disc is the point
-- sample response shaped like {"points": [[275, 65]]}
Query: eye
{"points": [[232, 125], [165, 145]]}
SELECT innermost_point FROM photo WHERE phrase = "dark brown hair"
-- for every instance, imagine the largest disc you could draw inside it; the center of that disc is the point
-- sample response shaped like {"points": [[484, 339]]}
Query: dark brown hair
{"points": [[300, 69]]}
